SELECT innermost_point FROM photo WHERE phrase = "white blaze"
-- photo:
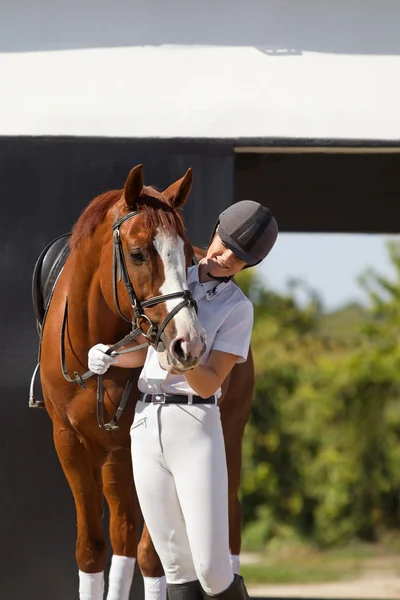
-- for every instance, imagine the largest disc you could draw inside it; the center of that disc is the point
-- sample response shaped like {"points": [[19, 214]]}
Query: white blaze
{"points": [[171, 251]]}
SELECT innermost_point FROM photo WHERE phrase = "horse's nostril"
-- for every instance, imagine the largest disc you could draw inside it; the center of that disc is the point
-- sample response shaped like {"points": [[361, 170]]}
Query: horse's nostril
{"points": [[178, 350]]}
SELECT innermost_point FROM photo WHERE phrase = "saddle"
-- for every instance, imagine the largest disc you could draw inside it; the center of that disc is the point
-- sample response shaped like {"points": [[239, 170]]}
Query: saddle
{"points": [[47, 270]]}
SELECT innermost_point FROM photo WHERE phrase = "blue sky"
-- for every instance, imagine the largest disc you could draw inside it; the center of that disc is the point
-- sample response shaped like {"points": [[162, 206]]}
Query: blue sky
{"points": [[329, 263]]}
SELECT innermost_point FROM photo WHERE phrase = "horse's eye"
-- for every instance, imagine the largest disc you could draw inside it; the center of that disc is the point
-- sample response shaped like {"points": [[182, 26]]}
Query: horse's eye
{"points": [[137, 256]]}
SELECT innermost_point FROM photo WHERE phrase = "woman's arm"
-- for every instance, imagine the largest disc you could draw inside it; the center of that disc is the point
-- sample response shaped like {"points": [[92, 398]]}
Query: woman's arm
{"points": [[206, 379], [131, 360], [99, 362], [231, 343]]}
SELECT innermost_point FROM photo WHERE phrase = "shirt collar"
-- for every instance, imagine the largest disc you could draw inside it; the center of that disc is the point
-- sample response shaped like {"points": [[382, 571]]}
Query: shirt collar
{"points": [[211, 288]]}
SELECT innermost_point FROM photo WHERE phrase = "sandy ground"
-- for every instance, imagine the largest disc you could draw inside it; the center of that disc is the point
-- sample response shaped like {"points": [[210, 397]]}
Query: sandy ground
{"points": [[381, 581], [376, 588]]}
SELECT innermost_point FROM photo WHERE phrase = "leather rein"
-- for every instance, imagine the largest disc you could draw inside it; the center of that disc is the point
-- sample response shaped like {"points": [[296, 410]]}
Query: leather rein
{"points": [[153, 333]]}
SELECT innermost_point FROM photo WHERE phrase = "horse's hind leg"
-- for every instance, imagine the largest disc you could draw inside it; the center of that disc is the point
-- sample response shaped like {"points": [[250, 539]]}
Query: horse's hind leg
{"points": [[155, 587], [233, 445], [233, 436], [235, 413], [85, 483], [125, 519]]}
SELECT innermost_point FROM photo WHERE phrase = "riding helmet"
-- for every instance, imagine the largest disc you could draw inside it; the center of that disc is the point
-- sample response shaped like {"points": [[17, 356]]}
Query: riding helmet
{"points": [[249, 229]]}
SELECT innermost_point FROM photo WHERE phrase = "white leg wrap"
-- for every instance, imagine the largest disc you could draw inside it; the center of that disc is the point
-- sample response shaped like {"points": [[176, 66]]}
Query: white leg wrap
{"points": [[91, 586], [155, 588], [120, 578], [235, 562]]}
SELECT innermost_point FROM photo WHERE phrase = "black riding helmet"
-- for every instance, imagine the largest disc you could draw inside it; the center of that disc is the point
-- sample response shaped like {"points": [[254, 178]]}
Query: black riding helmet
{"points": [[249, 230]]}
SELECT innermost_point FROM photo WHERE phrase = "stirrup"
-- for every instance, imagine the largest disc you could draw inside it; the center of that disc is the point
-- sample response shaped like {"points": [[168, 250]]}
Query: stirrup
{"points": [[33, 403]]}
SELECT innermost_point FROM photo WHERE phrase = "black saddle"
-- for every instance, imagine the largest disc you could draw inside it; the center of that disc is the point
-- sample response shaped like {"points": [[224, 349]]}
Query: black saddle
{"points": [[45, 274]]}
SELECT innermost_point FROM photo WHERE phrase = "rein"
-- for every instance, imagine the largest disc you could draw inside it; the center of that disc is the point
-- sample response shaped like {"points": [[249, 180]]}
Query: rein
{"points": [[153, 333]]}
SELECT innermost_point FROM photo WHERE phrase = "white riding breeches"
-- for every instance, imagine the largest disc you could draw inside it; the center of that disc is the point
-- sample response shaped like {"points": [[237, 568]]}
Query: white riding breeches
{"points": [[179, 466]]}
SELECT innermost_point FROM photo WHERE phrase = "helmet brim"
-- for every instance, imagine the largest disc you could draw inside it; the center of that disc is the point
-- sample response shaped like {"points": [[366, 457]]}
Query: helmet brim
{"points": [[232, 245]]}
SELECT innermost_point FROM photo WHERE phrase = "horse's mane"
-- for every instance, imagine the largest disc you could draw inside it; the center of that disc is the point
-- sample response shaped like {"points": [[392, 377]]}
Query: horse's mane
{"points": [[154, 209]]}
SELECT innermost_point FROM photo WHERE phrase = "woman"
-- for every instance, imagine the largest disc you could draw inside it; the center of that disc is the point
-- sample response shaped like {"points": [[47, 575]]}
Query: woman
{"points": [[178, 450]]}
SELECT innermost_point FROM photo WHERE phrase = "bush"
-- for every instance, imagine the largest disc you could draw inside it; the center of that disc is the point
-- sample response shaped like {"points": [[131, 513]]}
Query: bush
{"points": [[321, 451]]}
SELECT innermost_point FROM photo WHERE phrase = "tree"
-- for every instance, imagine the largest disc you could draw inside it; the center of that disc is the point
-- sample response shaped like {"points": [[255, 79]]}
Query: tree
{"points": [[321, 453]]}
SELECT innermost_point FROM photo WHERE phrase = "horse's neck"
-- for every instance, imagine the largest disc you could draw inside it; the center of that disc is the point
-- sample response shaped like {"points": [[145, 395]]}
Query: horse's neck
{"points": [[88, 311], [199, 252]]}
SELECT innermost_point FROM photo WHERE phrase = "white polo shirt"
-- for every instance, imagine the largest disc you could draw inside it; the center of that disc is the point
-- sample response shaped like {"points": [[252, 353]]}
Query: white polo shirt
{"points": [[226, 315]]}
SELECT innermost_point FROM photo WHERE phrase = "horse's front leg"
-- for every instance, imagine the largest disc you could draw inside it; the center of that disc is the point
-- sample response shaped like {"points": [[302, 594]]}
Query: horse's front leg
{"points": [[85, 482], [155, 587], [125, 520]]}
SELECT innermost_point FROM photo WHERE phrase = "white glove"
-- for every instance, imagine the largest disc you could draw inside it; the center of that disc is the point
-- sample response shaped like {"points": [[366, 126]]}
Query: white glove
{"points": [[98, 361]]}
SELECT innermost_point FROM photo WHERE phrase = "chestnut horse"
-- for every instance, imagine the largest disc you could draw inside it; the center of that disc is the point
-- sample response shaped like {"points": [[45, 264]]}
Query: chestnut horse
{"points": [[97, 461]]}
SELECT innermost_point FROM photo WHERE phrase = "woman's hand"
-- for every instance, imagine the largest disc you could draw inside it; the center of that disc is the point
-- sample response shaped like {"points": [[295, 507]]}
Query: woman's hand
{"points": [[99, 362]]}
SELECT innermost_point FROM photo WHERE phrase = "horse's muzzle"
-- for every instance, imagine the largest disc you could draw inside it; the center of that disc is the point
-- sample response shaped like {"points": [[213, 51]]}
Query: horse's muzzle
{"points": [[187, 354]]}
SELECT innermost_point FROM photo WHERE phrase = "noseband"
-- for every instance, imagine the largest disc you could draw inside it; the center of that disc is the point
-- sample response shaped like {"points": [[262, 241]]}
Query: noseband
{"points": [[153, 333]]}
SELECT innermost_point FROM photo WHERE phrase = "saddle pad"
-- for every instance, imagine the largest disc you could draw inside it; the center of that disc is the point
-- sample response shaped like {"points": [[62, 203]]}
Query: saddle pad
{"points": [[47, 269]]}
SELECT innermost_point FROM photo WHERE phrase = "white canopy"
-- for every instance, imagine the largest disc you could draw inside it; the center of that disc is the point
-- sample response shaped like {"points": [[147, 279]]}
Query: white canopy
{"points": [[194, 91]]}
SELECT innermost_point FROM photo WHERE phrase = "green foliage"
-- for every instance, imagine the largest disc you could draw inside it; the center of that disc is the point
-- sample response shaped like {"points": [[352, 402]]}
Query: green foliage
{"points": [[345, 323], [321, 451]]}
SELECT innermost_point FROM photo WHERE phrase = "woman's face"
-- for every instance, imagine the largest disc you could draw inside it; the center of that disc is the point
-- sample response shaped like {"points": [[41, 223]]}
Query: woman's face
{"points": [[221, 261]]}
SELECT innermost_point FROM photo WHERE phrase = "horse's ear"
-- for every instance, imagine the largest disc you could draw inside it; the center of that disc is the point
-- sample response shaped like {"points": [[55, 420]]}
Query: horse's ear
{"points": [[133, 186], [178, 192]]}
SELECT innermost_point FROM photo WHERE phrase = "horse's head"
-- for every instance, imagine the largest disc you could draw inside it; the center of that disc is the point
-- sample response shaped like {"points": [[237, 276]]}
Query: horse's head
{"points": [[152, 254]]}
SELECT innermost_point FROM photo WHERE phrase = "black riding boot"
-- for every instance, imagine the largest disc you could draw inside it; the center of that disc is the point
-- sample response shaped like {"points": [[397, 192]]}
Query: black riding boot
{"points": [[236, 591], [190, 590]]}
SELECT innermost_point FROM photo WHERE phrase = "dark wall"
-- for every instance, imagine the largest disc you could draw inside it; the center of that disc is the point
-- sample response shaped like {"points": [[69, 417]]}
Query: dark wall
{"points": [[44, 185], [351, 193]]}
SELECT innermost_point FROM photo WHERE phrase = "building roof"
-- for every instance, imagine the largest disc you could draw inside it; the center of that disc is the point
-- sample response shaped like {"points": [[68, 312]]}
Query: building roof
{"points": [[200, 92]]}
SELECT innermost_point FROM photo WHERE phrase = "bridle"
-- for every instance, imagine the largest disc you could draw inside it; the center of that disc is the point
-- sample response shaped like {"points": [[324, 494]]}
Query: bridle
{"points": [[153, 333]]}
